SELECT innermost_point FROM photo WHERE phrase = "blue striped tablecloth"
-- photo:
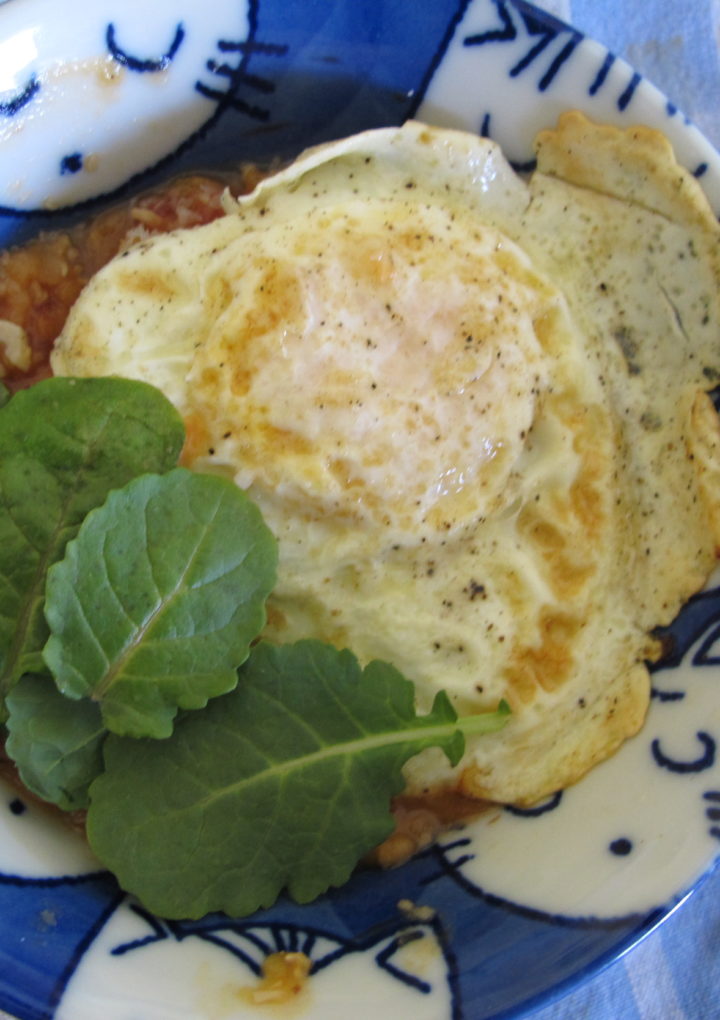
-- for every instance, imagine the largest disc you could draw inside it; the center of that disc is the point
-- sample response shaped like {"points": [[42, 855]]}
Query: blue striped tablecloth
{"points": [[675, 973], [674, 43]]}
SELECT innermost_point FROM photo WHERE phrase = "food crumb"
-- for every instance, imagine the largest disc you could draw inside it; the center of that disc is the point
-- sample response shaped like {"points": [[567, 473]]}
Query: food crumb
{"points": [[284, 978], [414, 912]]}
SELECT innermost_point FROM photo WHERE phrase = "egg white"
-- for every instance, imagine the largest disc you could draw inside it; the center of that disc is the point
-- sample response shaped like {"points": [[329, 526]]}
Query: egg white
{"points": [[471, 408]]}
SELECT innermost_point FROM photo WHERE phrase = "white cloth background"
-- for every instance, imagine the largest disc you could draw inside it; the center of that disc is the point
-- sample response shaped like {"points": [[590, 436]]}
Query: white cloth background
{"points": [[674, 43]]}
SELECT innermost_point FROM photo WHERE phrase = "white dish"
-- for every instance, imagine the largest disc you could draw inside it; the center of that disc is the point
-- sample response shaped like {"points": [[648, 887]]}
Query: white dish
{"points": [[612, 856]]}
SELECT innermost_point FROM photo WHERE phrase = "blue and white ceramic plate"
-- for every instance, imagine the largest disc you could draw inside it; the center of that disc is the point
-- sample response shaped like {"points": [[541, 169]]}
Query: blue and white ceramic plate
{"points": [[122, 93]]}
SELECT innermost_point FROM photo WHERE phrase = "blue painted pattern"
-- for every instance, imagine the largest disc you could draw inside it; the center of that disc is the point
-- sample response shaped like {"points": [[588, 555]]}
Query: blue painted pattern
{"points": [[674, 44], [274, 76], [144, 64], [10, 107], [520, 21]]}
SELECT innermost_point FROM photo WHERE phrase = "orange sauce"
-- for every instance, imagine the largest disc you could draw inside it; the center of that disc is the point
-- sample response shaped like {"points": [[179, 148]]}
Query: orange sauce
{"points": [[420, 820], [41, 280]]}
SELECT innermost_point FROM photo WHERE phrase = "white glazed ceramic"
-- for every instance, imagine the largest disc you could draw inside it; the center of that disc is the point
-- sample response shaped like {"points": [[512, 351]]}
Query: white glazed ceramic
{"points": [[523, 904]]}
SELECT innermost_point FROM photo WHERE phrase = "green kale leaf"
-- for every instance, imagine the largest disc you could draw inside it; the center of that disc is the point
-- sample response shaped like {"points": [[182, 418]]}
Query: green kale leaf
{"points": [[158, 599], [64, 444], [284, 783], [56, 744]]}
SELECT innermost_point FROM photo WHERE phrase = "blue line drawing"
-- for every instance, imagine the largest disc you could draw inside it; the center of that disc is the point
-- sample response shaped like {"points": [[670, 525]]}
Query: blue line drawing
{"points": [[9, 107], [712, 813], [602, 74], [152, 64], [626, 97], [540, 809], [541, 32], [700, 616], [705, 761], [251, 941], [239, 76]]}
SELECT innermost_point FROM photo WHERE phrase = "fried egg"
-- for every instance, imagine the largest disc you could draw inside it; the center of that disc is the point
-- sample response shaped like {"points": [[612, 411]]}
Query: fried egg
{"points": [[472, 407]]}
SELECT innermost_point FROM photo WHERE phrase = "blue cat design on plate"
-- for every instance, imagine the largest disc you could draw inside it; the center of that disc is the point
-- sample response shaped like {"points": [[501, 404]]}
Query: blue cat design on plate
{"points": [[631, 852], [69, 100], [74, 112], [413, 956], [467, 929]]}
